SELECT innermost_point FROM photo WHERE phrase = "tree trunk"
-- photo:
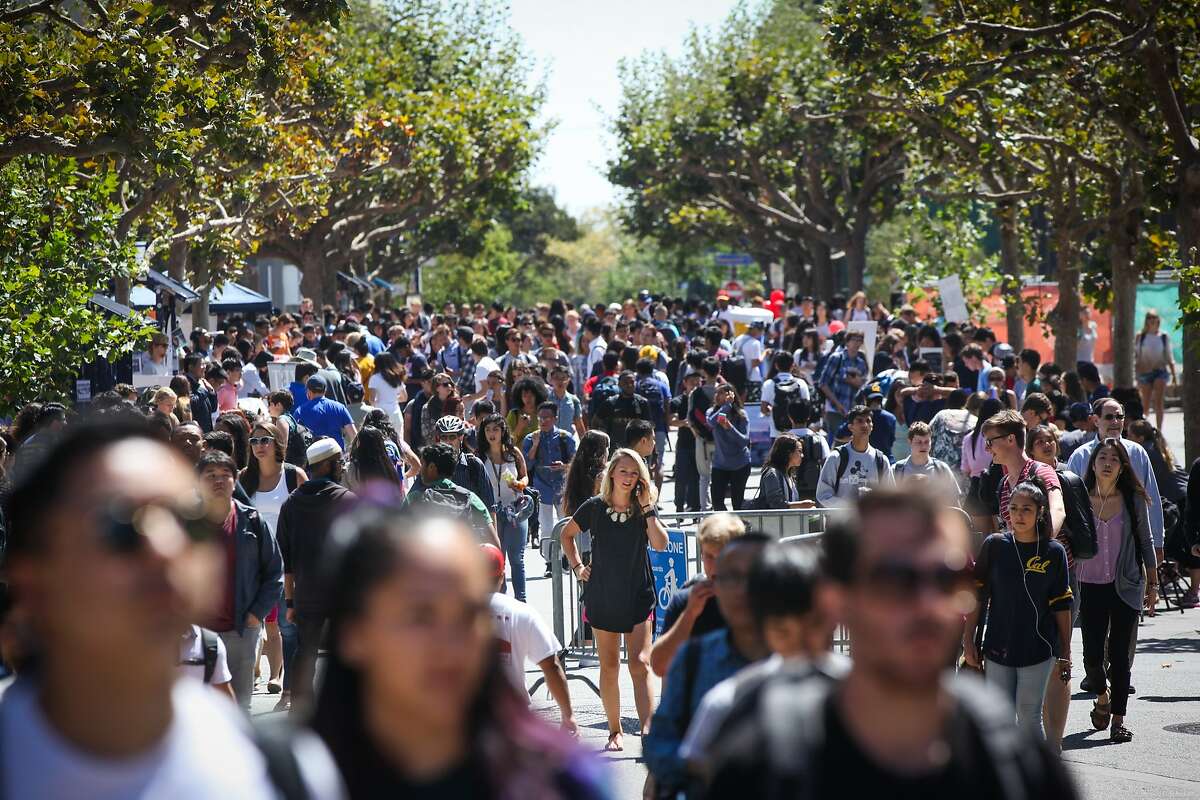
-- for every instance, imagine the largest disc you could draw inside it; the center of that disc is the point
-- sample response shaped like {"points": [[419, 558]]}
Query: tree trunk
{"points": [[1065, 317], [1010, 267], [1188, 216], [856, 260], [201, 280], [794, 272], [121, 289], [822, 271], [317, 280], [1122, 235]]}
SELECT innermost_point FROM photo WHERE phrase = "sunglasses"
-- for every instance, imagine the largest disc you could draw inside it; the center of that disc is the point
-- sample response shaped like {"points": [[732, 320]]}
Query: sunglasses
{"points": [[257, 440], [1113, 417], [901, 580], [123, 525]]}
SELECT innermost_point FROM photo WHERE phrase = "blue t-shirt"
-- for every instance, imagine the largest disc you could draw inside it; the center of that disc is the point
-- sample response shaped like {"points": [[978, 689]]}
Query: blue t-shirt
{"points": [[325, 417], [375, 345]]}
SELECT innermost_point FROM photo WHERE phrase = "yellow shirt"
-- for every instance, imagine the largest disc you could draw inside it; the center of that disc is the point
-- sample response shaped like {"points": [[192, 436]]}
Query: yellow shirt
{"points": [[366, 368]]}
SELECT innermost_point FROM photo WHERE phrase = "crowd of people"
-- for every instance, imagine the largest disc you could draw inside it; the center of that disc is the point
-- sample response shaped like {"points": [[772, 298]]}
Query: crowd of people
{"points": [[366, 528]]}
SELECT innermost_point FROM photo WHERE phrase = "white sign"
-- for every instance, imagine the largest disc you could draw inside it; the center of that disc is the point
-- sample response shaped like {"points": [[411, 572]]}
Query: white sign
{"points": [[776, 273], [954, 305], [869, 328]]}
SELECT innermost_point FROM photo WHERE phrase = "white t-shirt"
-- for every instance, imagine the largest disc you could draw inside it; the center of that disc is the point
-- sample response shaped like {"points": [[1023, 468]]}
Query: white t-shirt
{"points": [[387, 397], [523, 635], [269, 501], [204, 754], [751, 349], [768, 396], [191, 658], [484, 367]]}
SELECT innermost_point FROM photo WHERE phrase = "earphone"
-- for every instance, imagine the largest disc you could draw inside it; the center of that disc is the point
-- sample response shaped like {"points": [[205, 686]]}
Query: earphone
{"points": [[1025, 583]]}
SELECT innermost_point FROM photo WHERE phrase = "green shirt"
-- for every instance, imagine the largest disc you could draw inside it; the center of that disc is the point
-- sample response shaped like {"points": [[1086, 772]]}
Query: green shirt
{"points": [[481, 518]]}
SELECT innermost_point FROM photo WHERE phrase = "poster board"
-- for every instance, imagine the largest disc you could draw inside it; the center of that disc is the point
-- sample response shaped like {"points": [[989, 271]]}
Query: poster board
{"points": [[869, 328], [954, 305], [933, 356], [280, 374], [670, 570]]}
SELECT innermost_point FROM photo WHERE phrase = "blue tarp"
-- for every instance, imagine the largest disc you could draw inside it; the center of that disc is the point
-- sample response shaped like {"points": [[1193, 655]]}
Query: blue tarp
{"points": [[232, 298]]}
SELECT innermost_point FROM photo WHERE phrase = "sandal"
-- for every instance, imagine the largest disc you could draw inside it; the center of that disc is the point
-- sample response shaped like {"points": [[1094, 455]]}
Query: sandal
{"points": [[1101, 715], [611, 746], [1120, 734]]}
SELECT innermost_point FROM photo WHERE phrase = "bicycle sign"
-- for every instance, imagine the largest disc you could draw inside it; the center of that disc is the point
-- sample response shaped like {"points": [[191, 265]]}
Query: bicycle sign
{"points": [[670, 574]]}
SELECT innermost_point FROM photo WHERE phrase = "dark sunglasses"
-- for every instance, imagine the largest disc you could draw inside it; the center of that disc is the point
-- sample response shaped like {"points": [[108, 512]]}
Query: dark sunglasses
{"points": [[1113, 417], [123, 524], [903, 580], [255, 440]]}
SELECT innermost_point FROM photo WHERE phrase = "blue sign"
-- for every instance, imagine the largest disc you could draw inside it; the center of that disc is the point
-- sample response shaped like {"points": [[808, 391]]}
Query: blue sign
{"points": [[734, 259], [670, 570]]}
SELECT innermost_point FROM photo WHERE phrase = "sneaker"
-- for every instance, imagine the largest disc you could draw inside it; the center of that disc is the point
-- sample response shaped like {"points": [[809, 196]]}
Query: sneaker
{"points": [[1086, 686]]}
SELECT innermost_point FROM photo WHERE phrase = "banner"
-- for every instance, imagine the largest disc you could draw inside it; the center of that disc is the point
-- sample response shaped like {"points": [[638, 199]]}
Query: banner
{"points": [[670, 570]]}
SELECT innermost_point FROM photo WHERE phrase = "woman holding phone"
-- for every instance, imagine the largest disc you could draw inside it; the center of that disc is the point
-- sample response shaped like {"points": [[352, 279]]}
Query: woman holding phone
{"points": [[731, 457], [619, 589]]}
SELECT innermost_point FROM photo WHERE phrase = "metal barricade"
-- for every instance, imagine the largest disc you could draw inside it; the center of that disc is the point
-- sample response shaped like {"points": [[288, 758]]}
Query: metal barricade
{"points": [[788, 525]]}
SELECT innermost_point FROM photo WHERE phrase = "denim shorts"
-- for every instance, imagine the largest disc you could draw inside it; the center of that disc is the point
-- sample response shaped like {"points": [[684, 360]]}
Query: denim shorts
{"points": [[1148, 378]]}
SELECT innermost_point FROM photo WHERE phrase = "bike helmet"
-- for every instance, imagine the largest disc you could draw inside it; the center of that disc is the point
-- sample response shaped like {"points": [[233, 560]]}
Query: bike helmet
{"points": [[450, 425]]}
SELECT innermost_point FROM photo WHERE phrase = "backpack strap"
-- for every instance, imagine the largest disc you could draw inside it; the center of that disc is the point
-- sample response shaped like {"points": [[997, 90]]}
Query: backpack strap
{"points": [[691, 667], [880, 465], [1013, 761], [283, 768], [211, 645], [793, 721], [843, 462], [291, 476]]}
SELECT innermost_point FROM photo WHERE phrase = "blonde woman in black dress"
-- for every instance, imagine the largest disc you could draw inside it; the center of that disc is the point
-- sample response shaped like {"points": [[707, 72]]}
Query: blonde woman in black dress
{"points": [[619, 593]]}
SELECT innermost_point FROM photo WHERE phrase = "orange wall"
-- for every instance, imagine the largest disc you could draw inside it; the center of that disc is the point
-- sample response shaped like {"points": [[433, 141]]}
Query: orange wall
{"points": [[1037, 335]]}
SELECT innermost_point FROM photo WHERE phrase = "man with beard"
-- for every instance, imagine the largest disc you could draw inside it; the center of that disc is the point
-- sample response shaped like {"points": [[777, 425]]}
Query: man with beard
{"points": [[896, 726], [304, 522]]}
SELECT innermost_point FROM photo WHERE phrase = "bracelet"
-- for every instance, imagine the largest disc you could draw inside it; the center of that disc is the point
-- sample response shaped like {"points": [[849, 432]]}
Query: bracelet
{"points": [[651, 514], [289, 603], [576, 566]]}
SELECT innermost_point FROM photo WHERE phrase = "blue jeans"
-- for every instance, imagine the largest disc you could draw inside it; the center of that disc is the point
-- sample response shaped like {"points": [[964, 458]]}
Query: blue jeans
{"points": [[1026, 688], [514, 538], [287, 632]]}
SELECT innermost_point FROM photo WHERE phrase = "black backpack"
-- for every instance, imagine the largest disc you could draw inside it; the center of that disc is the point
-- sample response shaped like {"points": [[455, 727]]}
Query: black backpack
{"points": [[300, 437], [1080, 525], [210, 643], [809, 473], [605, 388], [844, 462], [786, 393]]}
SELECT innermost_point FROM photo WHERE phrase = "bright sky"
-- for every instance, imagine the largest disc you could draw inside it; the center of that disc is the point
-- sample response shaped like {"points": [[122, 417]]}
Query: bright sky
{"points": [[577, 46]]}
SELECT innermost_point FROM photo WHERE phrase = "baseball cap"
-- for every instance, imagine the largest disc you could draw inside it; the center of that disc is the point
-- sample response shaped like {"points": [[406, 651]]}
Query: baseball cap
{"points": [[758, 324], [1078, 412], [836, 327], [322, 449], [1002, 350], [614, 307], [495, 559], [875, 390], [316, 383]]}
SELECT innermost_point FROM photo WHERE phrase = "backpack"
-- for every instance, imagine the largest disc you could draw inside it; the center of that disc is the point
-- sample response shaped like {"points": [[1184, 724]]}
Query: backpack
{"points": [[775, 733], [809, 473], [300, 437], [453, 501], [209, 642], [652, 391], [787, 391], [694, 649], [1079, 525], [843, 453], [604, 389]]}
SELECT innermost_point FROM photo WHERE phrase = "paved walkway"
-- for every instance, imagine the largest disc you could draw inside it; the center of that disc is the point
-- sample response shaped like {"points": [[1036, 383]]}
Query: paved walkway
{"points": [[1161, 762]]}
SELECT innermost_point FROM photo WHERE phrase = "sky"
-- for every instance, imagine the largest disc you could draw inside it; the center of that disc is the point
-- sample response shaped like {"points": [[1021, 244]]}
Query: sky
{"points": [[577, 46]]}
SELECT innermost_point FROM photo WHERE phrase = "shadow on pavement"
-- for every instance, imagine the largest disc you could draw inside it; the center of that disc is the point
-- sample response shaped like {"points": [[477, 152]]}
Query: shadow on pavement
{"points": [[1173, 645], [1085, 740], [1158, 698]]}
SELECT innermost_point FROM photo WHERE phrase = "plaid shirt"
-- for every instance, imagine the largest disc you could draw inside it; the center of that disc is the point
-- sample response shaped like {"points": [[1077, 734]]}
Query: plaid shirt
{"points": [[834, 376], [466, 378]]}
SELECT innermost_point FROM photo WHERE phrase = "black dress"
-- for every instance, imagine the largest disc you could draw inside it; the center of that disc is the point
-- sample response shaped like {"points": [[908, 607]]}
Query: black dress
{"points": [[620, 592]]}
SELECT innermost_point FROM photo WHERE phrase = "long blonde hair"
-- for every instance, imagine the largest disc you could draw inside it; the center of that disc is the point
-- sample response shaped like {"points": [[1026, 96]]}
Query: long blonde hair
{"points": [[606, 482]]}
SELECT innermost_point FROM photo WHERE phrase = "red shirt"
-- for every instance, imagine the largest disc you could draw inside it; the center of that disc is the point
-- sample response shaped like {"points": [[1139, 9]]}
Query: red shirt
{"points": [[1049, 478], [223, 619]]}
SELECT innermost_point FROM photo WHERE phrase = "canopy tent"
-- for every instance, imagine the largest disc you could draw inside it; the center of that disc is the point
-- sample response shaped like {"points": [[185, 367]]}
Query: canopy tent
{"points": [[354, 282], [156, 280], [233, 298]]}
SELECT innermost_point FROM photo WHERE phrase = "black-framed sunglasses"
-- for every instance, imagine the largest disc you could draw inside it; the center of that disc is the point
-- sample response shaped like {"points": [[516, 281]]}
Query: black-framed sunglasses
{"points": [[123, 524], [1113, 417], [904, 580]]}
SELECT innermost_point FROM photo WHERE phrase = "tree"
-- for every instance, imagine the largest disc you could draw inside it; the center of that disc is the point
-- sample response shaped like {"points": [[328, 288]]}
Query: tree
{"points": [[737, 138], [56, 251], [1133, 64], [432, 138]]}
